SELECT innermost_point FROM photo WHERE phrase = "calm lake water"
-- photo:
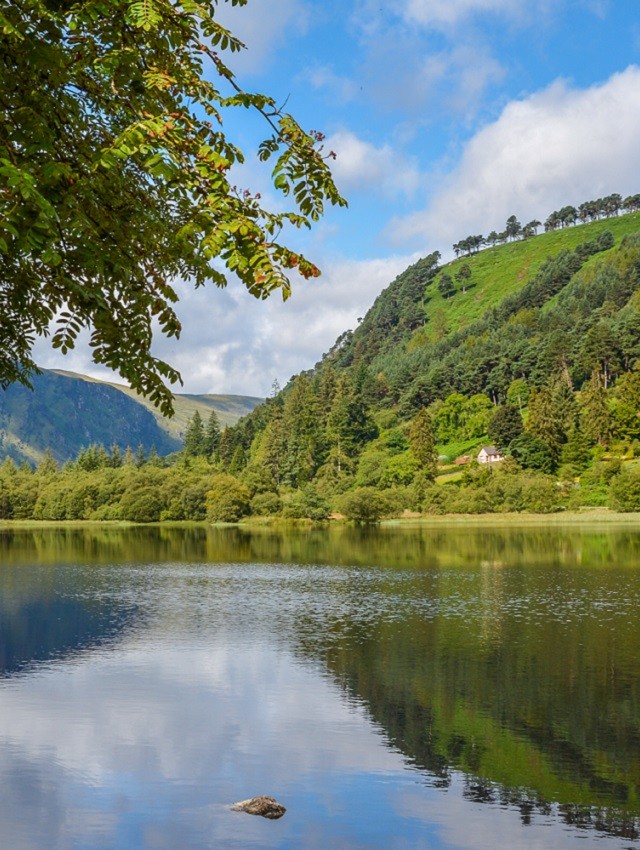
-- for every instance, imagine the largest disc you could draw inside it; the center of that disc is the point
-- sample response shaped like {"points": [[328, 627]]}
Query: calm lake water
{"points": [[415, 687]]}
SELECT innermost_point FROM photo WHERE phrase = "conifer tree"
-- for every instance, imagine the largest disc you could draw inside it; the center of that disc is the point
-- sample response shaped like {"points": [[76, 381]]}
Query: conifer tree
{"points": [[626, 405], [212, 434], [422, 442], [194, 437], [595, 420], [47, 465], [505, 426]]}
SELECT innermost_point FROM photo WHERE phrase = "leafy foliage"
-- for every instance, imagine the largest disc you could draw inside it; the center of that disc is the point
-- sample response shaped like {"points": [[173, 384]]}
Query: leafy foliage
{"points": [[127, 184]]}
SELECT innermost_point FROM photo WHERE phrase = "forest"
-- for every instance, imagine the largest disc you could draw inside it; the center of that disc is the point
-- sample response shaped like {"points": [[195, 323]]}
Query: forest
{"points": [[531, 348]]}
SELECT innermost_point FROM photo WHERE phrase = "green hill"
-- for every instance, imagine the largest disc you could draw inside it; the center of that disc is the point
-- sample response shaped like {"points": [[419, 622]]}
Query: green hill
{"points": [[541, 333], [66, 412], [502, 270]]}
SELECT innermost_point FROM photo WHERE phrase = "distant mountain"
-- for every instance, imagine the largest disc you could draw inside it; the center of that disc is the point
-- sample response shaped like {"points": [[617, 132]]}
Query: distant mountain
{"points": [[66, 412]]}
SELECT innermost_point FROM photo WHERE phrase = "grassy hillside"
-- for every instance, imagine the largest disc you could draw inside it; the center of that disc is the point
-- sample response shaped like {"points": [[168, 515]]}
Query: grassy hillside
{"points": [[63, 414], [536, 350], [498, 272]]}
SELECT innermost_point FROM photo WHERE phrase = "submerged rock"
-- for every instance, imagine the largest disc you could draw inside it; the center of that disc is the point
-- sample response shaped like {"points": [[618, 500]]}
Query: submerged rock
{"points": [[266, 807]]}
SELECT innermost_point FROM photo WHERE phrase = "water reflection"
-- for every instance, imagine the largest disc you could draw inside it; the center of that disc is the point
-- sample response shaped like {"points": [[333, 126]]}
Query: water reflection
{"points": [[399, 688]]}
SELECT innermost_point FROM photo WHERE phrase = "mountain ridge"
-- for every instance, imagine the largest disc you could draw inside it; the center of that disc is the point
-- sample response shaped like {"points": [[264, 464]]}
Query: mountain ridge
{"points": [[65, 412]]}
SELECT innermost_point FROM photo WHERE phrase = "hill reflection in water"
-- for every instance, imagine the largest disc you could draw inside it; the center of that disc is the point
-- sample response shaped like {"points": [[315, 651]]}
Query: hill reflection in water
{"points": [[498, 668]]}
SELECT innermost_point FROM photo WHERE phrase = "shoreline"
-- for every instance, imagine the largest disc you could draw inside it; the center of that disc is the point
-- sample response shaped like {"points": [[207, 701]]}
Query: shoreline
{"points": [[596, 516], [585, 516]]}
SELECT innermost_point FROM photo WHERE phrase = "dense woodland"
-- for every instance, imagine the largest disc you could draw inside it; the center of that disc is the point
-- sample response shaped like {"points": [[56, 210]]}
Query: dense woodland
{"points": [[546, 368]]}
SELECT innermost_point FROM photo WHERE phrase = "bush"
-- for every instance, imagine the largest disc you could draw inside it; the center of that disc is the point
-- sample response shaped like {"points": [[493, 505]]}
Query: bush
{"points": [[266, 504], [399, 469], [624, 493], [470, 501], [434, 499], [141, 504], [227, 500], [365, 504], [316, 507], [541, 494], [307, 504]]}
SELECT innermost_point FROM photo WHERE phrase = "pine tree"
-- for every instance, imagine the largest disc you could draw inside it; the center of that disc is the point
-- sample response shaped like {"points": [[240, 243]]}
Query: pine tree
{"points": [[212, 434], [626, 405], [273, 447], [445, 286], [194, 437], [505, 426], [128, 459], [596, 420], [116, 456], [422, 442], [227, 445], [141, 456], [47, 466], [350, 424], [553, 413]]}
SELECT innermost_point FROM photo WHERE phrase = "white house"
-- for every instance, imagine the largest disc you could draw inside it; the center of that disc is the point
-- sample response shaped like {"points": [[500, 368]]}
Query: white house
{"points": [[489, 454]]}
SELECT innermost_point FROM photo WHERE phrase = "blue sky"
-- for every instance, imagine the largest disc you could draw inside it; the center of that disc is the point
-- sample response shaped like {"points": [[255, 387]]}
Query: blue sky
{"points": [[447, 116]]}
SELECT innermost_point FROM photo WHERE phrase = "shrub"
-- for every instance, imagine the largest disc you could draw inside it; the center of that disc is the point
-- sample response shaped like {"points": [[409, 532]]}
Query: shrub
{"points": [[141, 504], [541, 494], [227, 500], [266, 504], [365, 504], [435, 499], [624, 492], [307, 504], [316, 506], [399, 469]]}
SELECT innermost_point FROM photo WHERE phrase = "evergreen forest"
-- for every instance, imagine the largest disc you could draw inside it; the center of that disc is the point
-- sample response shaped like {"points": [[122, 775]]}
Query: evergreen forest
{"points": [[530, 347]]}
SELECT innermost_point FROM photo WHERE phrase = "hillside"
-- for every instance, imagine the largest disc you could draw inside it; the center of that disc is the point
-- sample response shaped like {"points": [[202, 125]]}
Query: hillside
{"points": [[531, 348], [543, 333], [66, 412], [228, 408]]}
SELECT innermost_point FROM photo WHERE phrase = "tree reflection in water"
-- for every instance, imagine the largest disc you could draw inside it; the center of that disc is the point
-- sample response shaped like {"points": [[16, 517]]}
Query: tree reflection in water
{"points": [[508, 656]]}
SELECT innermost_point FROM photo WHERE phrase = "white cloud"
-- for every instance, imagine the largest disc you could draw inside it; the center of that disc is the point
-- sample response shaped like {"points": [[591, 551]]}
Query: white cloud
{"points": [[233, 343], [561, 145], [465, 72], [380, 170], [323, 78], [449, 12], [265, 26], [448, 15], [423, 75]]}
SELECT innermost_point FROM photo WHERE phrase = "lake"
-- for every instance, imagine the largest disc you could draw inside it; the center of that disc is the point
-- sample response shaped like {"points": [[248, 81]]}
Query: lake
{"points": [[436, 686]]}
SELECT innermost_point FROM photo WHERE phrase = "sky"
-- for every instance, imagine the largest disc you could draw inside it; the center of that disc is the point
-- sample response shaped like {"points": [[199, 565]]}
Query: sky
{"points": [[447, 117]]}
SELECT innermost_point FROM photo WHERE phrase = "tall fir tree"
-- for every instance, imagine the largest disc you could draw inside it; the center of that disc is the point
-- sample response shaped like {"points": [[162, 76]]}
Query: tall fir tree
{"points": [[596, 421], [212, 435], [504, 426], [194, 437], [423, 443]]}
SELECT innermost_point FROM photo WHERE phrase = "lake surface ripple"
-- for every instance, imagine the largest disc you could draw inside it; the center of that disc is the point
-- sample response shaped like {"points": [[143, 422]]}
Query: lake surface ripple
{"points": [[399, 687]]}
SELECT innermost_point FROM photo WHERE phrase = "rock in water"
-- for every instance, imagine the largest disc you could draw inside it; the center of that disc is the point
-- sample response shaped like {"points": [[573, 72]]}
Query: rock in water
{"points": [[266, 807]]}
